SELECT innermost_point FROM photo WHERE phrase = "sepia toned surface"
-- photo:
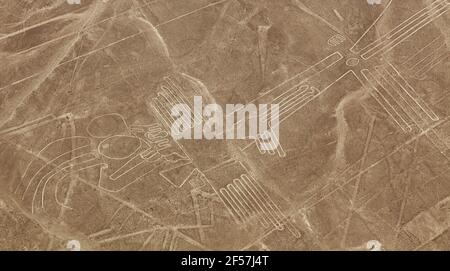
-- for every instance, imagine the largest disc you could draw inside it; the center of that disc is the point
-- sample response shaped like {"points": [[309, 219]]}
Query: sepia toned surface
{"points": [[87, 161]]}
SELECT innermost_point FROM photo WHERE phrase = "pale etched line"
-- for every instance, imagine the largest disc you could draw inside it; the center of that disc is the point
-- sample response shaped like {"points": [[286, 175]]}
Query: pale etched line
{"points": [[100, 233], [262, 49], [176, 89], [236, 214], [338, 15], [427, 57], [265, 198], [371, 26], [393, 43], [438, 143], [384, 103], [434, 62], [412, 106], [304, 8], [404, 25], [393, 91], [293, 98], [114, 215], [273, 144], [317, 94], [55, 192], [238, 201], [85, 29], [61, 168], [296, 104], [255, 199], [398, 28], [192, 241], [148, 240], [412, 239], [292, 93], [93, 186], [272, 207], [396, 149], [155, 165], [61, 17], [76, 58], [102, 48], [47, 164], [359, 179], [125, 221], [120, 237], [412, 93], [224, 163], [30, 124], [173, 241], [113, 175], [198, 217], [48, 42], [391, 111], [283, 221], [166, 106], [108, 194], [44, 75], [405, 195], [408, 109], [190, 13], [151, 127], [19, 81], [411, 58], [266, 208], [171, 101], [166, 237], [258, 241], [250, 203], [317, 68], [160, 112]]}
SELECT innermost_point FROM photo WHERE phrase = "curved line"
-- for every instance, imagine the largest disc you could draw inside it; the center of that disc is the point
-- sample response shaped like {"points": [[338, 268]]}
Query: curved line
{"points": [[135, 180], [43, 149], [43, 193], [47, 164], [55, 173], [100, 116], [60, 170], [56, 195], [120, 158], [46, 146]]}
